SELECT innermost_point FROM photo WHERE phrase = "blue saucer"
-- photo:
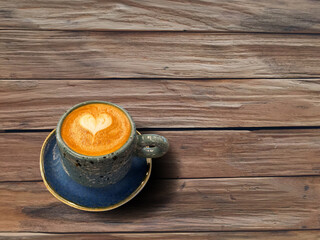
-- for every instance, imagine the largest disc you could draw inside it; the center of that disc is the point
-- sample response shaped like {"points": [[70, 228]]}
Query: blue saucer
{"points": [[90, 199]]}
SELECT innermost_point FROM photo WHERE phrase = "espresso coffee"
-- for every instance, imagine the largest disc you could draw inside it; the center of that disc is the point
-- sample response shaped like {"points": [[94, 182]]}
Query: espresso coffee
{"points": [[96, 129]]}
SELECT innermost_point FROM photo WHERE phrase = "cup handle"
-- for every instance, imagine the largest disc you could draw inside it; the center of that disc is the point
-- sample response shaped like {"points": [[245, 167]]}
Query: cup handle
{"points": [[151, 146]]}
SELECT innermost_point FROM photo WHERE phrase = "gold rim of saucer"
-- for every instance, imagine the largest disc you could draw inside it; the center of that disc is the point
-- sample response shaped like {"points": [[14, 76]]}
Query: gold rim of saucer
{"points": [[72, 204]]}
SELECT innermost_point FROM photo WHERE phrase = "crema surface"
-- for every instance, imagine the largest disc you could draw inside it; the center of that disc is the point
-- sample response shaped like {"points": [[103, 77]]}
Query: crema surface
{"points": [[96, 129]]}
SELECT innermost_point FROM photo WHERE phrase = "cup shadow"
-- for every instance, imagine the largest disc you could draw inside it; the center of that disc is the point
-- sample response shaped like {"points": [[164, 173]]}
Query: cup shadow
{"points": [[157, 193]]}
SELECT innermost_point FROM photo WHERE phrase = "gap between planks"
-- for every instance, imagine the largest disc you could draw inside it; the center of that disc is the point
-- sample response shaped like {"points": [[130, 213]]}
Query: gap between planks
{"points": [[159, 31], [183, 129], [184, 231], [265, 235], [193, 178], [157, 79]]}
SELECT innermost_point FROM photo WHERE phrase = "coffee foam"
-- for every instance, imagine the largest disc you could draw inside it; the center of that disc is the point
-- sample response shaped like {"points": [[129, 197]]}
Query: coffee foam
{"points": [[93, 124], [96, 129]]}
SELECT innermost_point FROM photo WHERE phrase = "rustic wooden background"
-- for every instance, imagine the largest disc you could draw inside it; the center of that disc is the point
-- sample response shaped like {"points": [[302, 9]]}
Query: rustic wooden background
{"points": [[234, 86]]}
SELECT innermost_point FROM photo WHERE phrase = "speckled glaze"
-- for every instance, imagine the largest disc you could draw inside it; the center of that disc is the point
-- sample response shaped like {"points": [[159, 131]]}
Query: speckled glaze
{"points": [[100, 171]]}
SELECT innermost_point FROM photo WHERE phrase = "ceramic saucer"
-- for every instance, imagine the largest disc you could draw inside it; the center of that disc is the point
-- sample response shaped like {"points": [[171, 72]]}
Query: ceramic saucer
{"points": [[90, 199]]}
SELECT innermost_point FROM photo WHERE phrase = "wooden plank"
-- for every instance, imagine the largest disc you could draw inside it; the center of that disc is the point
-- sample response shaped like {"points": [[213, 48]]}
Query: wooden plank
{"points": [[72, 55], [173, 205], [276, 235], [39, 104], [193, 154], [218, 15]]}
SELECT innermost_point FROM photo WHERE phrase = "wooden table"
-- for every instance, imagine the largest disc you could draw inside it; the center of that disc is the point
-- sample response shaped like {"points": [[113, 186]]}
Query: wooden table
{"points": [[234, 86]]}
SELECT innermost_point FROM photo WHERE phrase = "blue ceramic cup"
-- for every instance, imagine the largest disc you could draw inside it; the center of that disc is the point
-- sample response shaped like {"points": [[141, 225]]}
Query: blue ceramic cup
{"points": [[100, 171]]}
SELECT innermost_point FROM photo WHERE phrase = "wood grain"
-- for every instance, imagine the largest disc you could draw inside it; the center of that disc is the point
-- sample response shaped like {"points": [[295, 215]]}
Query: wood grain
{"points": [[280, 235], [89, 55], [218, 15], [38, 104], [193, 154], [173, 205]]}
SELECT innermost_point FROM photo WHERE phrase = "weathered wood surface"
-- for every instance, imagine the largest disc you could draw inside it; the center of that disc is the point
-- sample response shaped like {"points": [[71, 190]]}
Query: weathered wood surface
{"points": [[193, 154], [72, 55], [38, 104], [218, 15], [223, 204], [213, 184], [277, 235]]}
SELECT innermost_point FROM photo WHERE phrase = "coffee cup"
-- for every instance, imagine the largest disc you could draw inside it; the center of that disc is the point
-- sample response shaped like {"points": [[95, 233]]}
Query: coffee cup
{"points": [[97, 141]]}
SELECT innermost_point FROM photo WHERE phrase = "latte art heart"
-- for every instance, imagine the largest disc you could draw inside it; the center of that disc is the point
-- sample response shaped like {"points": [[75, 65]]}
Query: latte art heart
{"points": [[94, 125]]}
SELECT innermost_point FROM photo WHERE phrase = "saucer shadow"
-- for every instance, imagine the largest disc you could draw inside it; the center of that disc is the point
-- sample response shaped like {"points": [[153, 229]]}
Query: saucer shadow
{"points": [[158, 193]]}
